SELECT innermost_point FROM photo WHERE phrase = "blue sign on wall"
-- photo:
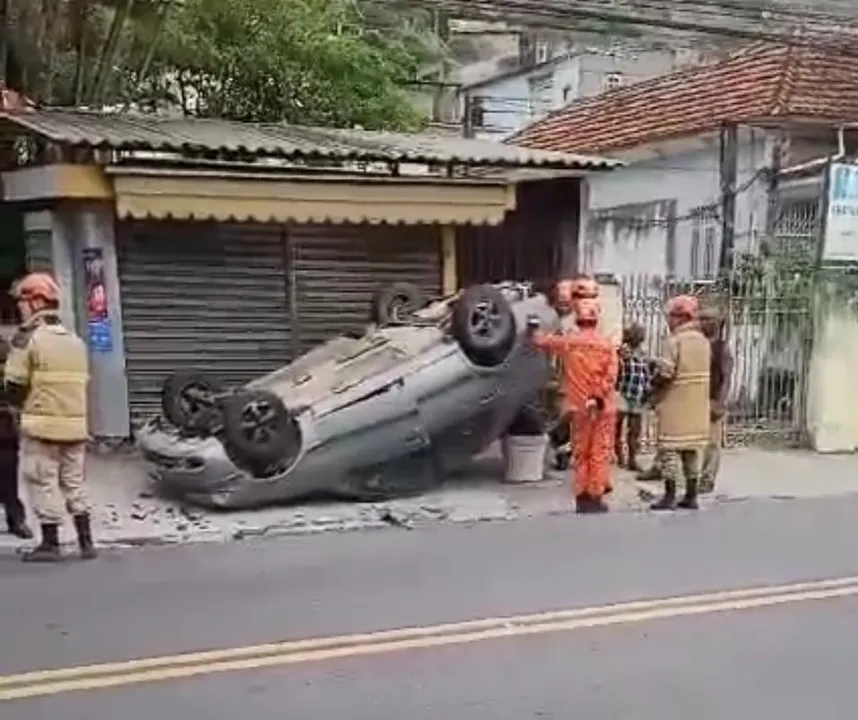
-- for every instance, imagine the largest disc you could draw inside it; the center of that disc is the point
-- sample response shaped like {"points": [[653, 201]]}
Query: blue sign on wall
{"points": [[100, 336]]}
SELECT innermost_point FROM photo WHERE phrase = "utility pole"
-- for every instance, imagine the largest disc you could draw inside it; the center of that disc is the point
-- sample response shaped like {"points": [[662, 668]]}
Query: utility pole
{"points": [[772, 201], [728, 170], [468, 116], [5, 25]]}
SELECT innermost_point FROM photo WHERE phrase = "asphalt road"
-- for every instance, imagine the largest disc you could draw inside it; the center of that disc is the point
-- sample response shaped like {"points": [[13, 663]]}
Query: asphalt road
{"points": [[738, 648]]}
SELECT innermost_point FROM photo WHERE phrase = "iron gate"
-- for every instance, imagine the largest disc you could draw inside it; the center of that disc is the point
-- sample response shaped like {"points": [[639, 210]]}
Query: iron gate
{"points": [[768, 301]]}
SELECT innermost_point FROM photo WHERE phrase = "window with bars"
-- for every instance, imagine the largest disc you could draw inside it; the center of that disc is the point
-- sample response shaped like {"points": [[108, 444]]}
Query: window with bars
{"points": [[703, 257], [709, 243]]}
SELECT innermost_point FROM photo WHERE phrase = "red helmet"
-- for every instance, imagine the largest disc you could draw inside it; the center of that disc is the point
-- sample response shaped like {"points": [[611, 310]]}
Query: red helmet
{"points": [[684, 306], [585, 287], [37, 285]]}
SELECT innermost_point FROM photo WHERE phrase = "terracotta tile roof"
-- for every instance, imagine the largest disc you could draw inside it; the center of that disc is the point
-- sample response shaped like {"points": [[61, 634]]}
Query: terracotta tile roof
{"points": [[761, 81]]}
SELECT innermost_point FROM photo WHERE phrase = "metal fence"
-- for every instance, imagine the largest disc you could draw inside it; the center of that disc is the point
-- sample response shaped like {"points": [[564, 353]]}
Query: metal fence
{"points": [[767, 299]]}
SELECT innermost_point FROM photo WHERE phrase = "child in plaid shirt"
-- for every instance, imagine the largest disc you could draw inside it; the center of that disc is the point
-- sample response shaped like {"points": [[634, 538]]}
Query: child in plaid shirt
{"points": [[633, 386]]}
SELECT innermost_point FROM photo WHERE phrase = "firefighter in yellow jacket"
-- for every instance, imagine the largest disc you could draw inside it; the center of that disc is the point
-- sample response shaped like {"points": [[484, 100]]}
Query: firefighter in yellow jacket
{"points": [[46, 376]]}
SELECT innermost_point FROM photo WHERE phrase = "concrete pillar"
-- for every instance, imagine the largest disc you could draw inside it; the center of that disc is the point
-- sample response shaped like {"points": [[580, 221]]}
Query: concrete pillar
{"points": [[56, 242], [832, 392], [93, 230], [449, 268]]}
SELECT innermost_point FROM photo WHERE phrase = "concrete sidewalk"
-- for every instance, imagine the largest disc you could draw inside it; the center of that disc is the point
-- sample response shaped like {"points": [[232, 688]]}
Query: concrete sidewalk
{"points": [[127, 513], [783, 475]]}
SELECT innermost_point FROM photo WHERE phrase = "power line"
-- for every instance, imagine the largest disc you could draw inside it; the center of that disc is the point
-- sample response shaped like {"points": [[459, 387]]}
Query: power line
{"points": [[724, 18]]}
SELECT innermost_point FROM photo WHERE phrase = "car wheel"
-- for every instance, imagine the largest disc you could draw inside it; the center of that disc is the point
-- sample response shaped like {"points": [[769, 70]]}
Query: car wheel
{"points": [[258, 430], [483, 325], [396, 303], [189, 400]]}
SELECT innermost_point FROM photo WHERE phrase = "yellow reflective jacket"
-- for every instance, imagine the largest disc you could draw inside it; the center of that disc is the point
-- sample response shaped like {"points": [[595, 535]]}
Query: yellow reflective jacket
{"points": [[51, 362]]}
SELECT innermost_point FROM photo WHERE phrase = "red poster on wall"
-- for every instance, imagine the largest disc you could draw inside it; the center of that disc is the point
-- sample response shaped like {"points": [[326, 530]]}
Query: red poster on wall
{"points": [[97, 307]]}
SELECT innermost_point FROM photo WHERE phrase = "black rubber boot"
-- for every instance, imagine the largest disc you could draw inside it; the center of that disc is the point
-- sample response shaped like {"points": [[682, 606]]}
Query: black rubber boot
{"points": [[689, 502], [84, 536], [19, 529], [583, 504], [668, 502], [16, 525], [599, 506], [49, 549]]}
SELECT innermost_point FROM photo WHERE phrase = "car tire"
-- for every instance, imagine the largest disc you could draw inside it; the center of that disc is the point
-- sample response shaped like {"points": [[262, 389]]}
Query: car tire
{"points": [[259, 431], [395, 303], [483, 325], [189, 400]]}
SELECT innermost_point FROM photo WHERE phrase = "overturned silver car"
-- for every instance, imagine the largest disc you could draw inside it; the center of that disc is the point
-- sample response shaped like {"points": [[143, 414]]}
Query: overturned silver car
{"points": [[390, 413]]}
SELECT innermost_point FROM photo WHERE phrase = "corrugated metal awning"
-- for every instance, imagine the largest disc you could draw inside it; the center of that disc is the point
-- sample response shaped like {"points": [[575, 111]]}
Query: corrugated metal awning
{"points": [[142, 193], [200, 137]]}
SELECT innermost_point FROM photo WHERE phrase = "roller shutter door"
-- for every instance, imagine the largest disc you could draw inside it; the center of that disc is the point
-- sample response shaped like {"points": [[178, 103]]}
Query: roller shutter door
{"points": [[338, 268], [211, 296]]}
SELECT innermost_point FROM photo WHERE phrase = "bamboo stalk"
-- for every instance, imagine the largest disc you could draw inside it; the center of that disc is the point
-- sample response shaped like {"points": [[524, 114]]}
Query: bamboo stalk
{"points": [[102, 76]]}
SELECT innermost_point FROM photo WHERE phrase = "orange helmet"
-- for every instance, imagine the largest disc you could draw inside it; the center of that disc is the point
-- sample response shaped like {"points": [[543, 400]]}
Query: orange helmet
{"points": [[588, 310], [684, 305], [585, 287], [37, 285]]}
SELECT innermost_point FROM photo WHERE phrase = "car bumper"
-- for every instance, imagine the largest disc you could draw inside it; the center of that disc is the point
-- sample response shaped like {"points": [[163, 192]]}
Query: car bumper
{"points": [[196, 469]]}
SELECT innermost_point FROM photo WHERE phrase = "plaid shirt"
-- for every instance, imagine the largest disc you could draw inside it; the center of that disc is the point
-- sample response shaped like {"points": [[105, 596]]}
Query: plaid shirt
{"points": [[633, 382]]}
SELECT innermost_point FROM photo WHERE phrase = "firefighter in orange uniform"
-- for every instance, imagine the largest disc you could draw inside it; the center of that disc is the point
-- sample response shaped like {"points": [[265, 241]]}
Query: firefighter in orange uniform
{"points": [[567, 294], [590, 367]]}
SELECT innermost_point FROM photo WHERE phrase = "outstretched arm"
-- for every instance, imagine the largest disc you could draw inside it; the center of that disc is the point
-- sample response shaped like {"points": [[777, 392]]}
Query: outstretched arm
{"points": [[551, 343]]}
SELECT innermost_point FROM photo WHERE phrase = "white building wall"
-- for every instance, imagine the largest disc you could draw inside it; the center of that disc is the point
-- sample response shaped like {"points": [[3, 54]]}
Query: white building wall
{"points": [[506, 101], [629, 66], [630, 229]]}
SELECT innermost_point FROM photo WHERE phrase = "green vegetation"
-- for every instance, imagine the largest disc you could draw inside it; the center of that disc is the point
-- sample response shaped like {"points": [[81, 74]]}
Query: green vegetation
{"points": [[325, 62]]}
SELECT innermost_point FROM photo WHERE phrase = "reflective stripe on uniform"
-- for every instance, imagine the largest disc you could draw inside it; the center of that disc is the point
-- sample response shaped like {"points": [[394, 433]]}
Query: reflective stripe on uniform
{"points": [[691, 378], [54, 428], [58, 376]]}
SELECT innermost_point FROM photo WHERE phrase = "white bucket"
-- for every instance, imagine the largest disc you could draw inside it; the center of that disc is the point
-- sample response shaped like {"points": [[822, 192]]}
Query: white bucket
{"points": [[524, 456]]}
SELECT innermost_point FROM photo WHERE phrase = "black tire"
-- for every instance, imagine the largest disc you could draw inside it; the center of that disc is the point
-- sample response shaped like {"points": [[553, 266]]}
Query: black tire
{"points": [[483, 325], [396, 303], [258, 430], [190, 399]]}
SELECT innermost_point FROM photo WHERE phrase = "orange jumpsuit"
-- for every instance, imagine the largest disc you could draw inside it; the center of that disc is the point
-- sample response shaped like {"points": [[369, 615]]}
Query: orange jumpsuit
{"points": [[590, 367]]}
